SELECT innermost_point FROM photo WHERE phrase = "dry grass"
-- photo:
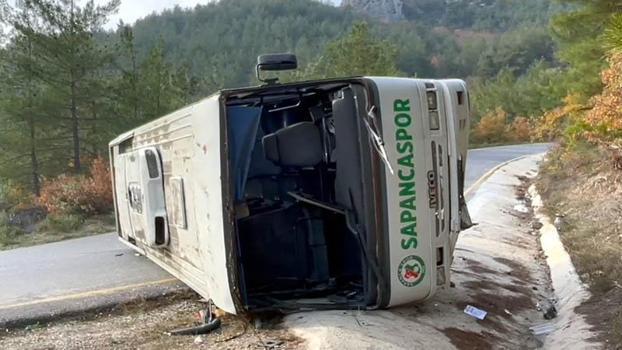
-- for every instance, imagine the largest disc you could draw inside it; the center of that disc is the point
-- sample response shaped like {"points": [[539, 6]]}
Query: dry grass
{"points": [[55, 230], [581, 184]]}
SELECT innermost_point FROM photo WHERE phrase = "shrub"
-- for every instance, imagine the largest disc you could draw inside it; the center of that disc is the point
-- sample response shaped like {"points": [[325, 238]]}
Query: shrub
{"points": [[552, 124], [605, 118], [491, 128], [15, 196], [8, 232], [520, 130], [82, 194]]}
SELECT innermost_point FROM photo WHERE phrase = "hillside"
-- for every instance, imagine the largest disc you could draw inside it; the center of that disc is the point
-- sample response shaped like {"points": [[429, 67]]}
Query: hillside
{"points": [[486, 15], [221, 40], [170, 59]]}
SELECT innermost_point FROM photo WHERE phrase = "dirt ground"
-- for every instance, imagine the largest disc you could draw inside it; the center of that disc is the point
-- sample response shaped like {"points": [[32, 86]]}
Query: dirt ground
{"points": [[583, 188], [145, 325], [498, 267]]}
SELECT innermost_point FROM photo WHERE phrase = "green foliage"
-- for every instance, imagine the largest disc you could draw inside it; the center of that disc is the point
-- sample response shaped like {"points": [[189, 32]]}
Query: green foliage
{"points": [[62, 223], [492, 15], [159, 94], [578, 34], [516, 51], [9, 234], [613, 34], [356, 54], [70, 87], [220, 41], [528, 95]]}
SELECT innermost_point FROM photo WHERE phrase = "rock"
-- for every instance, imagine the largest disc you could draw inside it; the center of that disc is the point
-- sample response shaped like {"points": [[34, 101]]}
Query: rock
{"points": [[388, 10], [26, 219], [550, 312], [548, 309], [559, 223]]}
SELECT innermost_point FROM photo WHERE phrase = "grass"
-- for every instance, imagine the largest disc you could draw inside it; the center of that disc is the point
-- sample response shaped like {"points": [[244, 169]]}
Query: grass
{"points": [[581, 184], [61, 223], [53, 229]]}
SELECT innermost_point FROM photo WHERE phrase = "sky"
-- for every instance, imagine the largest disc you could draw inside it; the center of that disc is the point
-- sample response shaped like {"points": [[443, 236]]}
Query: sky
{"points": [[131, 10]]}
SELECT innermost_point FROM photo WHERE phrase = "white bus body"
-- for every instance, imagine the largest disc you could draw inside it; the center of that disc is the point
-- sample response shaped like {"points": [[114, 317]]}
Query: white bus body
{"points": [[343, 193]]}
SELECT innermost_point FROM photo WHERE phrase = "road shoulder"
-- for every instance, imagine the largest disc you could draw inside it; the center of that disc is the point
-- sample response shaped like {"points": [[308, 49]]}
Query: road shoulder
{"points": [[498, 268]]}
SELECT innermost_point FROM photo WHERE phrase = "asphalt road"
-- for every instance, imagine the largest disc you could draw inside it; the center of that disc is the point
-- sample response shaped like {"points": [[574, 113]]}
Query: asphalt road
{"points": [[483, 160], [72, 276]]}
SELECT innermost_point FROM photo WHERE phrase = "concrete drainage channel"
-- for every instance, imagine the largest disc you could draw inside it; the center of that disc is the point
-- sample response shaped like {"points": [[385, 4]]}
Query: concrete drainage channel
{"points": [[499, 268], [569, 329]]}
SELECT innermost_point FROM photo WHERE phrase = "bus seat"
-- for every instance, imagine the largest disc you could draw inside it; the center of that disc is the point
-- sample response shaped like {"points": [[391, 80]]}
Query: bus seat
{"points": [[298, 145]]}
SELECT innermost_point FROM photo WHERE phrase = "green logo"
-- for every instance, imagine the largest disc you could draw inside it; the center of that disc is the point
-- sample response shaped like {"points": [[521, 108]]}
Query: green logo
{"points": [[405, 147], [411, 271]]}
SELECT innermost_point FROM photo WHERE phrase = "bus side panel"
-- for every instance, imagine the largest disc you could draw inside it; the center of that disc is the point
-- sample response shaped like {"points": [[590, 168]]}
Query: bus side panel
{"points": [[411, 222], [458, 119], [188, 145], [120, 195], [207, 184], [437, 140]]}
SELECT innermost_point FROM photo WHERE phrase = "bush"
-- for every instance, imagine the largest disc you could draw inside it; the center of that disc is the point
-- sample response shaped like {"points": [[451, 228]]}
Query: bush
{"points": [[491, 128], [605, 118], [83, 195], [62, 223], [520, 130], [8, 232], [552, 125], [15, 196]]}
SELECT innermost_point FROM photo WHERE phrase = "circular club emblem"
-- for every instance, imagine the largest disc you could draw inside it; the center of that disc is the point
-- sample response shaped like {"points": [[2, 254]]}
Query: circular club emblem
{"points": [[411, 271]]}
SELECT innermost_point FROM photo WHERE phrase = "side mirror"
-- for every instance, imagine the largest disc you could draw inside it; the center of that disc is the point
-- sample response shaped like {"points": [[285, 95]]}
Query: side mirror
{"points": [[275, 62]]}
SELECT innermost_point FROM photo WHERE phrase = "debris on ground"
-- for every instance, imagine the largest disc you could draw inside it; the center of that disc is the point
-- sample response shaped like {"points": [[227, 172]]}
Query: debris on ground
{"points": [[542, 329], [548, 309], [475, 312], [144, 325]]}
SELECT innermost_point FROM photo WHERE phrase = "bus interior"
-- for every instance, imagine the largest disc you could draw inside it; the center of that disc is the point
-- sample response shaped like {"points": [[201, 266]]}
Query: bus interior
{"points": [[300, 160]]}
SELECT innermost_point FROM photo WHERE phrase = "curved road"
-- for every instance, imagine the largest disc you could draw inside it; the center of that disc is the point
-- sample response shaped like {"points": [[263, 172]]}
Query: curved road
{"points": [[482, 160], [72, 276]]}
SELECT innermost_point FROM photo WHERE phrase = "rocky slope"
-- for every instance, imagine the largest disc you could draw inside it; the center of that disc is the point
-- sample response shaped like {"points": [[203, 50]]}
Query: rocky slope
{"points": [[389, 10]]}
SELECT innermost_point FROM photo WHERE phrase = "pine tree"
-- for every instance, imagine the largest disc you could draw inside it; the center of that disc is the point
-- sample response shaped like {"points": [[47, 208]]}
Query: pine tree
{"points": [[160, 95], [20, 111], [357, 53], [72, 63]]}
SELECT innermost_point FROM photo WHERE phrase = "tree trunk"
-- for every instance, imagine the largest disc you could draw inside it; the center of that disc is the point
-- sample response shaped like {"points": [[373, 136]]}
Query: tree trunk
{"points": [[34, 161], [75, 129], [75, 122]]}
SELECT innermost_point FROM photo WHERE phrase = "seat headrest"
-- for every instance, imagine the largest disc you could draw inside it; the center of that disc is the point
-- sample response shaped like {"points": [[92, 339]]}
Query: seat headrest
{"points": [[298, 145]]}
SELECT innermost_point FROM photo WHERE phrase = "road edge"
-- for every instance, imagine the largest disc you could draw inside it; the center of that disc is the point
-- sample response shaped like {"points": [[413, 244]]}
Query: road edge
{"points": [[473, 188], [58, 310]]}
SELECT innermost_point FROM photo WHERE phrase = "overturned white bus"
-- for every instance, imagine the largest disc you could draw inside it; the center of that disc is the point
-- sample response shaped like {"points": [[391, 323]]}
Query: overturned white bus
{"points": [[343, 193]]}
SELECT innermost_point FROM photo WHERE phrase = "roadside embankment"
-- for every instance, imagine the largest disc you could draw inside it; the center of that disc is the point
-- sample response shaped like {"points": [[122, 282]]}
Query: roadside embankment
{"points": [[581, 190], [498, 267]]}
